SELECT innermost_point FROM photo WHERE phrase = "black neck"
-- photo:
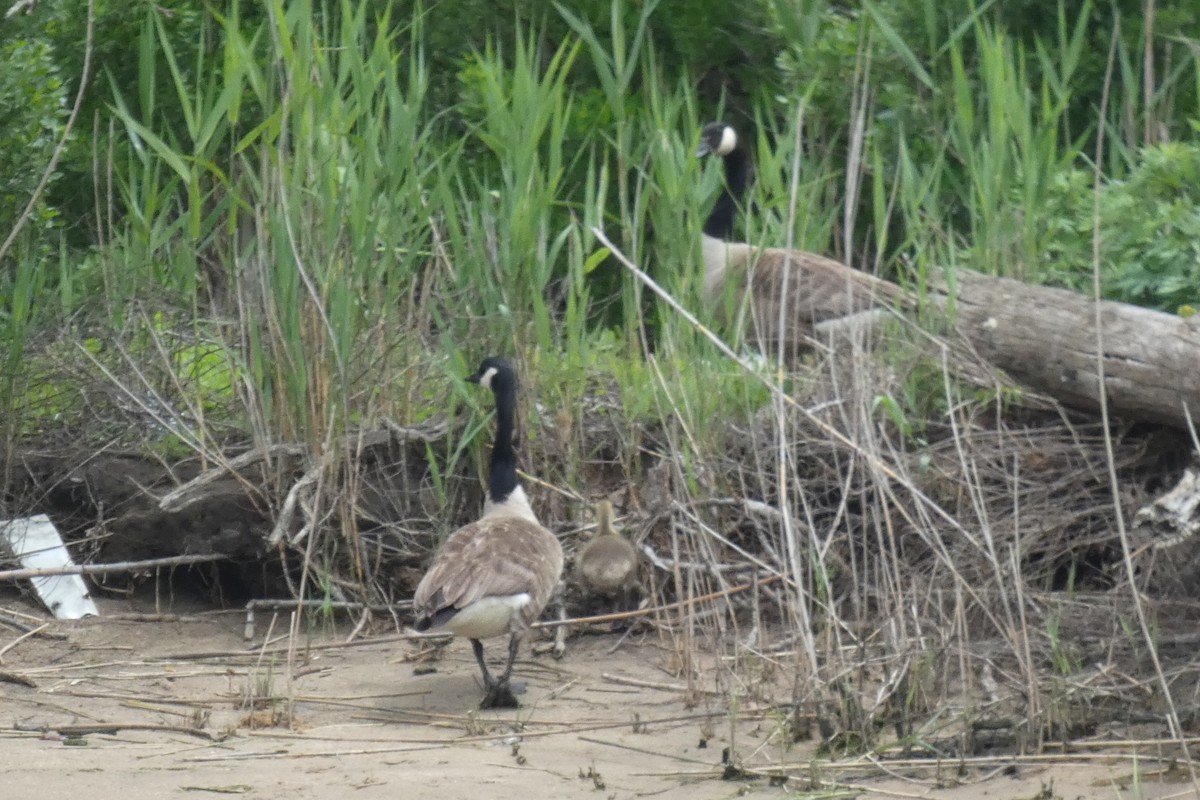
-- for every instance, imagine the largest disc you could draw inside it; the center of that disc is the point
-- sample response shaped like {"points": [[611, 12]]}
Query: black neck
{"points": [[720, 221], [503, 478]]}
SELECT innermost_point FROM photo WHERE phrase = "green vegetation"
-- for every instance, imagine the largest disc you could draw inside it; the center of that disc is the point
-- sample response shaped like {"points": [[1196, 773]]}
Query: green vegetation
{"points": [[1151, 251], [286, 222]]}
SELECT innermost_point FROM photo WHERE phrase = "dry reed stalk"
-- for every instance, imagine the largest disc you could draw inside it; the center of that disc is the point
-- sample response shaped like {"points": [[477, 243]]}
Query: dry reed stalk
{"points": [[1139, 608], [677, 720], [84, 82], [643, 684], [107, 569], [21, 638], [660, 609], [35, 618], [17, 678], [643, 750], [992, 504], [117, 727]]}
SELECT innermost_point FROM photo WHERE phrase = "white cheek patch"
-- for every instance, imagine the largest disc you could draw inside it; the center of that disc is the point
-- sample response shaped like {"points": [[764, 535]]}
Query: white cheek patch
{"points": [[486, 380], [728, 141]]}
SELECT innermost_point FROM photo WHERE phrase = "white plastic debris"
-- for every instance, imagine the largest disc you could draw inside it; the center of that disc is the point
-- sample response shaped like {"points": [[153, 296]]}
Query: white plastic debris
{"points": [[36, 543]]}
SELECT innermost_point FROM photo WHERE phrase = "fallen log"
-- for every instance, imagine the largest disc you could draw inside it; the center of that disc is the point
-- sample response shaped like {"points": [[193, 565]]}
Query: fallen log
{"points": [[1046, 337]]}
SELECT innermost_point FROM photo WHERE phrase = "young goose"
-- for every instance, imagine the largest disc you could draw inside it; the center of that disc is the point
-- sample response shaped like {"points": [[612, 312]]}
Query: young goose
{"points": [[820, 290], [608, 564], [493, 576]]}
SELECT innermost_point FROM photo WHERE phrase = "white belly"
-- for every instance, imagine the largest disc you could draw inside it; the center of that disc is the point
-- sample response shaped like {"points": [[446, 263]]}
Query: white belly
{"points": [[718, 256], [488, 617]]}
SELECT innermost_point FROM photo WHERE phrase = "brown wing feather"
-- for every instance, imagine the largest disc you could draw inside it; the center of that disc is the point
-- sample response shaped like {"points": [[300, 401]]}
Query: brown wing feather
{"points": [[819, 289], [608, 563], [489, 558]]}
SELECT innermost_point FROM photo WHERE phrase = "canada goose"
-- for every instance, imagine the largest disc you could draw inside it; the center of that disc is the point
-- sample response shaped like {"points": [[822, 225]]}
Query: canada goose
{"points": [[820, 290], [608, 563], [493, 576]]}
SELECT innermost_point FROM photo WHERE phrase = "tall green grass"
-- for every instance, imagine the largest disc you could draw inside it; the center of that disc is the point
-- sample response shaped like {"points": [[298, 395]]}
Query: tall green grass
{"points": [[329, 235], [308, 187], [310, 250]]}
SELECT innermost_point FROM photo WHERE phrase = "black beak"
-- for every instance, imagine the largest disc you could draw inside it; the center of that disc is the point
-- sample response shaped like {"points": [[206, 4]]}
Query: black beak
{"points": [[473, 378], [703, 150]]}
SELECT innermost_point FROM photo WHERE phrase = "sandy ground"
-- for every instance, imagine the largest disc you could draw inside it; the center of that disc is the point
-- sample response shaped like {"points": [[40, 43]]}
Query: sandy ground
{"points": [[366, 725]]}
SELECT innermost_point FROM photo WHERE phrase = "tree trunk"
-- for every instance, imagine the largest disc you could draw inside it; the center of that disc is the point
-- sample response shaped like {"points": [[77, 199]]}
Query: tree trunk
{"points": [[1046, 337]]}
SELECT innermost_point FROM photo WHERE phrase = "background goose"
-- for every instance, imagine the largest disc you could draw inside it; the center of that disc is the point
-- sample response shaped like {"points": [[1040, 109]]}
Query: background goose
{"points": [[608, 563], [820, 290], [495, 575]]}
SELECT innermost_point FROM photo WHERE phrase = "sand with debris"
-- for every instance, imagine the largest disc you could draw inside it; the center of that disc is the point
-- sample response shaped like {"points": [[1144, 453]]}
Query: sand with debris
{"points": [[193, 710]]}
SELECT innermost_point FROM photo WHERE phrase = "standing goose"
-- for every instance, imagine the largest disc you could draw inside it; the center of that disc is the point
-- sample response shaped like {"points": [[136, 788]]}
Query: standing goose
{"points": [[608, 564], [495, 575], [820, 290]]}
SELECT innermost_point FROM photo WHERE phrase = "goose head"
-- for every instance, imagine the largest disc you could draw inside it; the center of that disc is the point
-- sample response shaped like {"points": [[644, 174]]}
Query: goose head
{"points": [[718, 139]]}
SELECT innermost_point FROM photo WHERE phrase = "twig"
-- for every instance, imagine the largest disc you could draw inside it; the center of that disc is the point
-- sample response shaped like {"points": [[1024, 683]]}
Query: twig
{"points": [[751, 507], [15, 623], [287, 513], [36, 619], [22, 638], [852, 790], [643, 750], [617, 645], [216, 654], [183, 496], [276, 754], [19, 7], [161, 708], [1149, 636], [669, 565], [644, 612], [105, 569], [936, 763], [84, 78], [580, 728], [33, 701], [666, 687], [17, 678], [408, 637], [290, 605], [115, 727], [193, 491]]}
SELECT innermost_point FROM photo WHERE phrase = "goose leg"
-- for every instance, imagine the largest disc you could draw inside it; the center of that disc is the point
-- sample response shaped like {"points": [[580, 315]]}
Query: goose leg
{"points": [[560, 633], [514, 644], [488, 680], [500, 693]]}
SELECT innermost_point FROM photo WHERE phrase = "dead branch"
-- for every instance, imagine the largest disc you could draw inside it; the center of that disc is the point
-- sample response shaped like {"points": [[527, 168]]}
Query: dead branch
{"points": [[4, 650], [191, 492], [105, 569], [645, 612], [292, 605], [116, 727], [17, 678]]}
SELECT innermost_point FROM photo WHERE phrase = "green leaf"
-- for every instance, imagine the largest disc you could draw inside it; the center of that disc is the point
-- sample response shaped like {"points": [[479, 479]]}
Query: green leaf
{"points": [[595, 259], [140, 133], [894, 39]]}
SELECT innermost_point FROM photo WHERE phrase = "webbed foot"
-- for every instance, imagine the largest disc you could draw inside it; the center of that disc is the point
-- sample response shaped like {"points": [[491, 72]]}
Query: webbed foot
{"points": [[500, 695]]}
